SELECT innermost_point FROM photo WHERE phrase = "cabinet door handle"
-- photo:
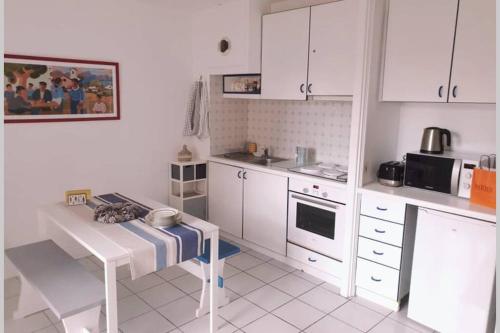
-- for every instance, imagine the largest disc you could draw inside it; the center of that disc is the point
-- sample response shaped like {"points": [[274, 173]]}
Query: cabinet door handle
{"points": [[239, 174], [245, 175], [440, 91], [302, 88], [379, 231], [378, 253], [376, 280], [454, 91], [381, 209], [311, 259], [309, 88]]}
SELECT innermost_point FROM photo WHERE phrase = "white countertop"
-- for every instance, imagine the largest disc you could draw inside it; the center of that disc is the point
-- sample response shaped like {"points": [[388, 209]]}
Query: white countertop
{"points": [[434, 200], [280, 171]]}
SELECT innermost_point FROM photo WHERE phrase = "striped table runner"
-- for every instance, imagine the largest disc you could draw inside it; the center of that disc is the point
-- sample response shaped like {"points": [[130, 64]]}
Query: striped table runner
{"points": [[151, 249]]}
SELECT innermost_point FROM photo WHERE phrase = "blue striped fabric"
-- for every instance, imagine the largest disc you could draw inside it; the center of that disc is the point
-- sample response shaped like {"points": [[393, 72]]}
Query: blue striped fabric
{"points": [[188, 239]]}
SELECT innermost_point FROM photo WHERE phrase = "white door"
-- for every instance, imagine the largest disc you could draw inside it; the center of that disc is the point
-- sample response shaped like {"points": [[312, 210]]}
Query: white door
{"points": [[453, 272], [225, 197], [332, 52], [265, 210], [473, 71], [418, 51], [285, 40]]}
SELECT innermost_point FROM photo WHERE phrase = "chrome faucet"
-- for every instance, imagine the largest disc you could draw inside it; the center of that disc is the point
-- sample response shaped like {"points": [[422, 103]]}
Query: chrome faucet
{"points": [[266, 153]]}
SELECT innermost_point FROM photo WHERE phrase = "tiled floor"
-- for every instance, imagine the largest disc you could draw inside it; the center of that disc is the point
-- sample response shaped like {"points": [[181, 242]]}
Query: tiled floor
{"points": [[265, 295]]}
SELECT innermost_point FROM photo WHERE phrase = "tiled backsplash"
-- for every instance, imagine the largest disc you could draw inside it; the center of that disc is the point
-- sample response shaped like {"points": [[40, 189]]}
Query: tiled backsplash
{"points": [[280, 125]]}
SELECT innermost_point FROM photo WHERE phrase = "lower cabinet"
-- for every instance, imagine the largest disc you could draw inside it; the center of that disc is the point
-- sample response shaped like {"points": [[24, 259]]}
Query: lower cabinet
{"points": [[249, 204]]}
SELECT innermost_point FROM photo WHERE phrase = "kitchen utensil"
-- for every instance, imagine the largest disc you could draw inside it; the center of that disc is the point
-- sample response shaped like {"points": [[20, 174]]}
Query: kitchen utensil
{"points": [[432, 140], [163, 217], [304, 155], [184, 155], [391, 173], [251, 147]]}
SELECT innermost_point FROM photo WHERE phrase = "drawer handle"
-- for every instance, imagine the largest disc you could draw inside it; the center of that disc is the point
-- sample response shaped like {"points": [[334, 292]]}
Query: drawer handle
{"points": [[378, 253], [379, 231], [312, 260], [382, 209], [376, 280]]}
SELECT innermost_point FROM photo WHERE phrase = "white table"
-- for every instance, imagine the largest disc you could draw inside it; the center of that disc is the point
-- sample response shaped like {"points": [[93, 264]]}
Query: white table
{"points": [[77, 223]]}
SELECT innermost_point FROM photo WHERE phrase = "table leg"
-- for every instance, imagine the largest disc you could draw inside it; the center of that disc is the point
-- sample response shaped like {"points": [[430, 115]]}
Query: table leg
{"points": [[111, 297], [214, 277]]}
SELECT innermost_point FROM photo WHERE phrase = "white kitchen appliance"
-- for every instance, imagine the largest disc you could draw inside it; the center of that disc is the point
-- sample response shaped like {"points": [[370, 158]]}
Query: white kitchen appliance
{"points": [[453, 275], [331, 171], [316, 217], [466, 172]]}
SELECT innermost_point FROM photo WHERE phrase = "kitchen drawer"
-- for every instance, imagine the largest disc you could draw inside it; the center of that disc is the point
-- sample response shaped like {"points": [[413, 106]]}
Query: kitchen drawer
{"points": [[387, 232], [378, 279], [313, 259], [383, 208], [382, 253]]}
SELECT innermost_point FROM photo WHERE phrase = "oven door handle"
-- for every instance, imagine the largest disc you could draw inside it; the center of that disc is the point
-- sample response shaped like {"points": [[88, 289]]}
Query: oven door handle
{"points": [[316, 202]]}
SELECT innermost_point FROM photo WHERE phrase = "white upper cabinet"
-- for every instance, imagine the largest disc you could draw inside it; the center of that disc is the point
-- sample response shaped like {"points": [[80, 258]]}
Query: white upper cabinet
{"points": [[419, 47], [332, 52], [285, 40], [474, 69], [239, 23]]}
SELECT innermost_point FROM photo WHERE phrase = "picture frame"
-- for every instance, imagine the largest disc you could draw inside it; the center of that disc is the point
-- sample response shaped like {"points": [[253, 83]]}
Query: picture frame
{"points": [[48, 89], [241, 84]]}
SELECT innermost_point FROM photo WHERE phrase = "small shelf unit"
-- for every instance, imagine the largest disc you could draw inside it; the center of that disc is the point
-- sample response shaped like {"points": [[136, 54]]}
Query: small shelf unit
{"points": [[188, 187]]}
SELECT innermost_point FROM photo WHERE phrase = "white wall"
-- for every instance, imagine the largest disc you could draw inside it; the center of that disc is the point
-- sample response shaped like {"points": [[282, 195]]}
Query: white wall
{"points": [[152, 45], [472, 126]]}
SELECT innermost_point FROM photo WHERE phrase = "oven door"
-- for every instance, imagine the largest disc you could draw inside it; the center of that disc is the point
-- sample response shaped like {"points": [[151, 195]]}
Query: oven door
{"points": [[316, 224]]}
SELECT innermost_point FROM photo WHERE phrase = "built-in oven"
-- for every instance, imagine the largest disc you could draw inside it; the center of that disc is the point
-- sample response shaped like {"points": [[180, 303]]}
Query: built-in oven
{"points": [[316, 218]]}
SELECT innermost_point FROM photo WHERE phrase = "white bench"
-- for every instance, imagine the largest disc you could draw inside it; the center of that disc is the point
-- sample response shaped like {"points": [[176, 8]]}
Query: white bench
{"points": [[50, 278]]}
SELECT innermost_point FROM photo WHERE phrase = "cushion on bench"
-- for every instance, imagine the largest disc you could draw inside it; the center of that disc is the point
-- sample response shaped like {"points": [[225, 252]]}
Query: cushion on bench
{"points": [[62, 282], [225, 250]]}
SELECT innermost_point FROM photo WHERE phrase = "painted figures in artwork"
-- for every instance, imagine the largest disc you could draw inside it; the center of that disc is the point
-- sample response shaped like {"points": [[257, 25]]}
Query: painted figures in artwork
{"points": [[44, 90]]}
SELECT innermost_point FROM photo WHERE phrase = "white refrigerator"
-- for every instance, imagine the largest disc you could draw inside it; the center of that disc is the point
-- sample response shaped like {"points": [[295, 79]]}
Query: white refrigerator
{"points": [[453, 276]]}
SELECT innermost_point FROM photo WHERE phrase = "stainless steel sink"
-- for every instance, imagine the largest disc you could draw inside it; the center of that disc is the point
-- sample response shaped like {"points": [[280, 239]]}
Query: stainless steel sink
{"points": [[250, 158]]}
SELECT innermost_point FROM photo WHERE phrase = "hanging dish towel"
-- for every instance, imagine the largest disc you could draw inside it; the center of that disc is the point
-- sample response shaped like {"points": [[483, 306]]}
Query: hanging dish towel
{"points": [[196, 122]]}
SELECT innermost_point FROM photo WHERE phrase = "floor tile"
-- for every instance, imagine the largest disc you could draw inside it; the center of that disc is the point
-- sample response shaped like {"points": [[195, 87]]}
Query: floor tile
{"points": [[180, 311], [52, 317], [122, 291], [9, 306], [89, 264], [12, 287], [308, 277], [391, 326], [187, 283], [243, 283], [402, 317], [50, 329], [151, 322], [322, 299], [259, 255], [333, 288], [268, 297], [130, 307], [269, 323], [161, 295], [281, 265], [329, 324], [171, 272], [370, 305], [142, 283], [244, 261], [293, 285], [266, 272], [298, 313], [29, 324], [123, 272], [241, 312], [357, 316], [229, 293], [230, 271], [201, 325]]}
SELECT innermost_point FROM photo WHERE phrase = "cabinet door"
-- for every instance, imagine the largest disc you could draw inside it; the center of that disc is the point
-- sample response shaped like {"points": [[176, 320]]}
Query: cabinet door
{"points": [[418, 51], [225, 197], [265, 210], [285, 41], [332, 52], [473, 72]]}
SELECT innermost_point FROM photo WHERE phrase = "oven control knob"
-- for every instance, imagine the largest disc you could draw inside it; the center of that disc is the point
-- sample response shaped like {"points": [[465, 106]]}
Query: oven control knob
{"points": [[468, 175], [467, 186], [325, 194], [305, 190]]}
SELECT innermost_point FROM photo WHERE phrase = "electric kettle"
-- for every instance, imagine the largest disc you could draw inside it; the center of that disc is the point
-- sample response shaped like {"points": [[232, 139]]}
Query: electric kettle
{"points": [[432, 140]]}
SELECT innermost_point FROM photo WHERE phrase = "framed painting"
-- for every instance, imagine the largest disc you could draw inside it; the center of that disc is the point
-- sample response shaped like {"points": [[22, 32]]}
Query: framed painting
{"points": [[43, 89]]}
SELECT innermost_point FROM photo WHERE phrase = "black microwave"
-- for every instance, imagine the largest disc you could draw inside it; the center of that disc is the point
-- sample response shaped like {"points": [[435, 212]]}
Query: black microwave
{"points": [[439, 173]]}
